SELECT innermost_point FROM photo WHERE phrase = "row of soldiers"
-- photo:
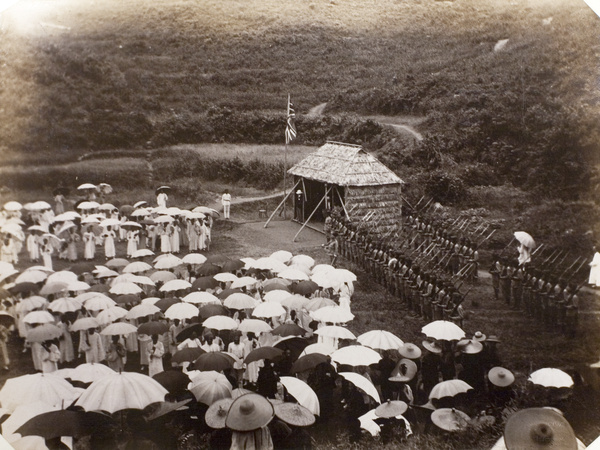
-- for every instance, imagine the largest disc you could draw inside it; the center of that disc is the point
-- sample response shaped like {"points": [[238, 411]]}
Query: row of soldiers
{"points": [[411, 272], [542, 296]]}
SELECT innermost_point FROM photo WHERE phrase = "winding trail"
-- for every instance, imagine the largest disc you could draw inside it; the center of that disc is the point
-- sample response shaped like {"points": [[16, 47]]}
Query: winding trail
{"points": [[396, 123]]}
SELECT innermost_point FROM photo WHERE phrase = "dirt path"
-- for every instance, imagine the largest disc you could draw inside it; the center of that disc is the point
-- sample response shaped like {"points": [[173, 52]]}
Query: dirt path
{"points": [[399, 124]]}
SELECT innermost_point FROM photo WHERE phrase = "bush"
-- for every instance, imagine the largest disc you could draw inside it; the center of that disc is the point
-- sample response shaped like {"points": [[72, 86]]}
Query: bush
{"points": [[444, 187]]}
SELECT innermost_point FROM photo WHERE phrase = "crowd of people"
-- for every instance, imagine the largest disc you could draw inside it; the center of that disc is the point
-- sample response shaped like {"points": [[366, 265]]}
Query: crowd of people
{"points": [[270, 334]]}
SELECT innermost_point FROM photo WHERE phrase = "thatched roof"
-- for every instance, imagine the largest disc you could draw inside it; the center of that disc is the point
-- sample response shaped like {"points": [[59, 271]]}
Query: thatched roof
{"points": [[344, 165]]}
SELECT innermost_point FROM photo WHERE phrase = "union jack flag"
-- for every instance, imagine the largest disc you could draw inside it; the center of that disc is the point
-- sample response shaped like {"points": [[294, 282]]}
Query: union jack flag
{"points": [[290, 129]]}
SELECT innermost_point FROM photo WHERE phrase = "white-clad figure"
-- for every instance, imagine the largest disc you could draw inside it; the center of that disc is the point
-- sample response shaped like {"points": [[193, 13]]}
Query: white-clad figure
{"points": [[109, 243], [161, 199], [226, 202], [595, 270], [133, 239], [89, 244], [33, 247]]}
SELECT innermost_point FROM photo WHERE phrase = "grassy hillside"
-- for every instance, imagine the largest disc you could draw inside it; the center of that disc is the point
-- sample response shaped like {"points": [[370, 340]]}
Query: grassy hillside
{"points": [[79, 76]]}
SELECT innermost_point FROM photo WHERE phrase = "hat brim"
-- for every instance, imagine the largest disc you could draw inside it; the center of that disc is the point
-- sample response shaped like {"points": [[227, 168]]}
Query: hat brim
{"points": [[414, 354], [294, 414], [217, 413], [526, 428], [431, 347], [249, 412], [501, 377]]}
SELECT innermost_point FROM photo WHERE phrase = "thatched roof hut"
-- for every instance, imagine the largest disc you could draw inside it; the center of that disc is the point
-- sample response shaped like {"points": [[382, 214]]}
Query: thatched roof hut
{"points": [[346, 175]]}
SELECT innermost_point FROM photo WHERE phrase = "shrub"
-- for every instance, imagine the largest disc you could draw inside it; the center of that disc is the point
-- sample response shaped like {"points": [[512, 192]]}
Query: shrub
{"points": [[444, 187]]}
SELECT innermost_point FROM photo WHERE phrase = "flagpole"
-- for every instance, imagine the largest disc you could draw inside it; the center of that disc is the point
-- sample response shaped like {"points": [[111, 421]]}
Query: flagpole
{"points": [[285, 164]]}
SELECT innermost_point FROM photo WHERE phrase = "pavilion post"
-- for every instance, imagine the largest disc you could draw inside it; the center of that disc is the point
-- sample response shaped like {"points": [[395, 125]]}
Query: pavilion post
{"points": [[282, 203]]}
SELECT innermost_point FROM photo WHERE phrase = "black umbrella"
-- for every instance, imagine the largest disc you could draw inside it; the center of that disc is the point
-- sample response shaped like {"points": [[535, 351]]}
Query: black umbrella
{"points": [[102, 288], [305, 287], [226, 293], [263, 353], [233, 265], [166, 303], [289, 329], [207, 269], [294, 344], [126, 210], [186, 333], [216, 361], [308, 362], [24, 288], [153, 327], [204, 283], [276, 287], [174, 381], [63, 422], [127, 298], [219, 260], [187, 354], [212, 310], [6, 319]]}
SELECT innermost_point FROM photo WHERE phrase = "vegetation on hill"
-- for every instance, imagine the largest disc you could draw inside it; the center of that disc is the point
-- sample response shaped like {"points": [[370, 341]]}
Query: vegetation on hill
{"points": [[122, 75]]}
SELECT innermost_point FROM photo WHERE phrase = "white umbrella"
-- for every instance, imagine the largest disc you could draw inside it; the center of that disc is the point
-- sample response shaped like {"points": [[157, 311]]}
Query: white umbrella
{"points": [[293, 274], [363, 384], [32, 276], [149, 301], [332, 314], [356, 355], [323, 349], [204, 298], [162, 276], [124, 390], [90, 372], [124, 288], [268, 309], [175, 285], [210, 386], [322, 268], [303, 393], [88, 205], [449, 388], [181, 311], [21, 415], [443, 330], [269, 263], [220, 323], [303, 260], [45, 387], [239, 300], [255, 326], [194, 258], [98, 302], [140, 212], [111, 314], [38, 317], [106, 207], [243, 282], [31, 303], [282, 255], [142, 252], [110, 223], [164, 219], [333, 331], [86, 186], [78, 286], [119, 329], [525, 239], [225, 277], [380, 339], [65, 304], [64, 276], [137, 267], [550, 377], [85, 323], [277, 296], [168, 261], [143, 310], [13, 206]]}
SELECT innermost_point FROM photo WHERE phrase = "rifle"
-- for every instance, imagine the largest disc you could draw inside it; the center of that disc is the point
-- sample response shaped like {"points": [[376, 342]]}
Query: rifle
{"points": [[537, 249], [569, 268], [488, 236], [510, 243], [455, 310], [552, 264], [419, 202], [585, 261]]}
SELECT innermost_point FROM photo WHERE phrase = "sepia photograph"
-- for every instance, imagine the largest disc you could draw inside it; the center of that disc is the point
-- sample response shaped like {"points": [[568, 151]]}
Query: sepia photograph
{"points": [[299, 224]]}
